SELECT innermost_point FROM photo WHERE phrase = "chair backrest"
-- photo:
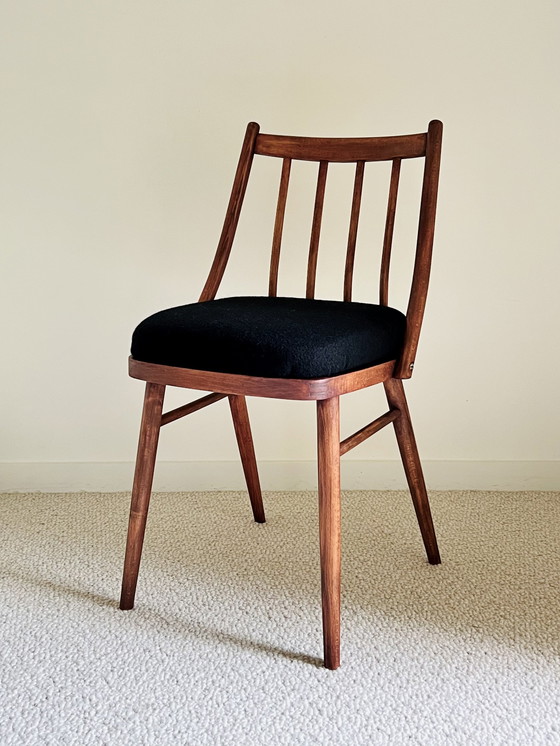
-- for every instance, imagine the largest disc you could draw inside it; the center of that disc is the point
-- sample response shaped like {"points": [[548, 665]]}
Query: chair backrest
{"points": [[359, 150]]}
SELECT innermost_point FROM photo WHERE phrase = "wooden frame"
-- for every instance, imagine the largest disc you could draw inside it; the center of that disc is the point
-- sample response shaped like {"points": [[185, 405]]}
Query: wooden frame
{"points": [[325, 391]]}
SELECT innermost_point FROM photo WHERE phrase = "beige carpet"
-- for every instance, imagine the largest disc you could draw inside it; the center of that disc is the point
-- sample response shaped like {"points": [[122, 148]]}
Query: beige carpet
{"points": [[223, 646]]}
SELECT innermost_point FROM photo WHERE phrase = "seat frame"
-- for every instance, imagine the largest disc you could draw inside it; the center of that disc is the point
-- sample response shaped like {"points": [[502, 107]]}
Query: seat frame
{"points": [[325, 391]]}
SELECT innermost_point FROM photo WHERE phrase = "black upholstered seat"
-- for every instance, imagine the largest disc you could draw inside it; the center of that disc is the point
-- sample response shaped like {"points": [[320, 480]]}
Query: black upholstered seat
{"points": [[271, 337]]}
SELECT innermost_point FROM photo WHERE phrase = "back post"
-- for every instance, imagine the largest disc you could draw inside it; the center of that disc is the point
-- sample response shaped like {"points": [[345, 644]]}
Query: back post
{"points": [[232, 215], [424, 245]]}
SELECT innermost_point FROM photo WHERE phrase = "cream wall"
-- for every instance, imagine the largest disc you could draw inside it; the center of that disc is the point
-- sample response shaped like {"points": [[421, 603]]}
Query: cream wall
{"points": [[121, 127]]}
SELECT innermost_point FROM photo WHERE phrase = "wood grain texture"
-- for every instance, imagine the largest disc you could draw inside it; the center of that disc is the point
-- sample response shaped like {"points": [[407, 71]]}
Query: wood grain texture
{"points": [[394, 390], [275, 388], [242, 427], [279, 227], [316, 230], [353, 230], [328, 458], [341, 149], [141, 490], [365, 432]]}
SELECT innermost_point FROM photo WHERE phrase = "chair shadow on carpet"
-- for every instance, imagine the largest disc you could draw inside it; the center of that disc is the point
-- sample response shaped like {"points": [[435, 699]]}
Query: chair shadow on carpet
{"points": [[62, 590], [147, 615]]}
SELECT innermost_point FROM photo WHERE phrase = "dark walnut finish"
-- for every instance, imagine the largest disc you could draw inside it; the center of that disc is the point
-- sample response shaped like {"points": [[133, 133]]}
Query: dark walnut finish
{"points": [[325, 391]]}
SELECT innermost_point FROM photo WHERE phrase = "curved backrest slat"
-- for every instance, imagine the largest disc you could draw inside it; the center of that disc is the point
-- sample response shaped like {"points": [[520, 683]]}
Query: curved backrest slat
{"points": [[388, 236], [316, 230], [278, 227], [353, 230]]}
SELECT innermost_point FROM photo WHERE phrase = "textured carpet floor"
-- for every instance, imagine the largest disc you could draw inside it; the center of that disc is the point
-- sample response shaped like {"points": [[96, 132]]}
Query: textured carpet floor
{"points": [[224, 644]]}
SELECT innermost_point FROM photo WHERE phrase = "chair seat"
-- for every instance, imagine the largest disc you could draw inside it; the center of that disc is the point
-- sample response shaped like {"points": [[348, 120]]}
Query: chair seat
{"points": [[271, 337]]}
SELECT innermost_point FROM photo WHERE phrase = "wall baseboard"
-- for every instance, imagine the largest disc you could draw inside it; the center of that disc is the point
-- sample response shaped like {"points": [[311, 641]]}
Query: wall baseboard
{"points": [[174, 476]]}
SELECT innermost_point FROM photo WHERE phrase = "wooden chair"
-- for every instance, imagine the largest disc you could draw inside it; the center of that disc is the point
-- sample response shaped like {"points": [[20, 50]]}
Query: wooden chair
{"points": [[301, 348]]}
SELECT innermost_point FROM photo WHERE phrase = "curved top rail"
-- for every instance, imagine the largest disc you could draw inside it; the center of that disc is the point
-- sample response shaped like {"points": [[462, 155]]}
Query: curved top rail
{"points": [[341, 150]]}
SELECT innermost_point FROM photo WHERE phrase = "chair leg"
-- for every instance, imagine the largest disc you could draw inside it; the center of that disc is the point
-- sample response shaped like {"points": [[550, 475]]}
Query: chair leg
{"points": [[141, 490], [242, 427], [328, 457], [413, 469]]}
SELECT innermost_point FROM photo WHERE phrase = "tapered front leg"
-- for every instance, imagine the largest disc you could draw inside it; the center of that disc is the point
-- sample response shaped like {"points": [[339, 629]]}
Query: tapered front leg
{"points": [[242, 427], [328, 457], [412, 467], [141, 489]]}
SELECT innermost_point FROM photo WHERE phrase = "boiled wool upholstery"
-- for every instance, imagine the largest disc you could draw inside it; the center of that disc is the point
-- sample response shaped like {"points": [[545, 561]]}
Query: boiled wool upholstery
{"points": [[271, 337]]}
